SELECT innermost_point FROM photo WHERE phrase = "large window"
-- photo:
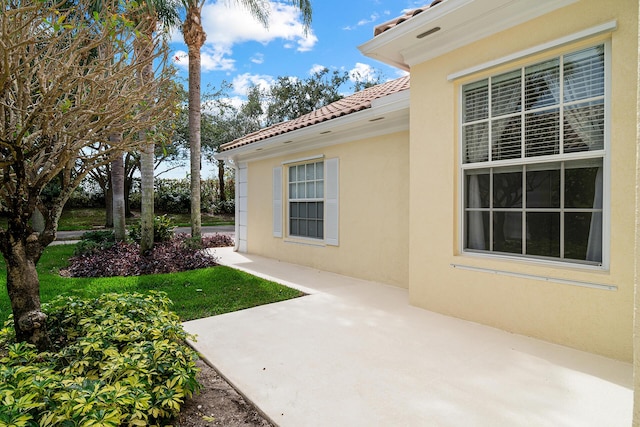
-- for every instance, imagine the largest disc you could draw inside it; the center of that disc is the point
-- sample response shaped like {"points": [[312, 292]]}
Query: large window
{"points": [[306, 200], [533, 152]]}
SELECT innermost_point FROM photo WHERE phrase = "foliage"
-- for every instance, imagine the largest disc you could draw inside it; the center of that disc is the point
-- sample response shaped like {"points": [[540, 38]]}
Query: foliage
{"points": [[124, 259], [163, 229], [224, 207], [117, 360], [173, 195], [94, 241]]}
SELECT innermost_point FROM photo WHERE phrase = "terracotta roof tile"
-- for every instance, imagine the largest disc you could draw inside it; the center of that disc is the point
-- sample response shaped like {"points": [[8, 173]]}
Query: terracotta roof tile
{"points": [[350, 104], [408, 15]]}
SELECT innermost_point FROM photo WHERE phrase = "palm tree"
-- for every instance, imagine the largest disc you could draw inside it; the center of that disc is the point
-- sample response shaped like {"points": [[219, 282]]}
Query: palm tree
{"points": [[194, 37], [164, 12]]}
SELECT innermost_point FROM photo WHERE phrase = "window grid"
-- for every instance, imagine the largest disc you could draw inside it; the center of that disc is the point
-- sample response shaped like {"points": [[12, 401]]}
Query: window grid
{"points": [[306, 200], [590, 134]]}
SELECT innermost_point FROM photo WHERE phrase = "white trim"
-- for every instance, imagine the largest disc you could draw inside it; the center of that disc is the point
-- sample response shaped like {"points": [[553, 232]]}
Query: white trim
{"points": [[537, 277], [303, 159], [584, 34]]}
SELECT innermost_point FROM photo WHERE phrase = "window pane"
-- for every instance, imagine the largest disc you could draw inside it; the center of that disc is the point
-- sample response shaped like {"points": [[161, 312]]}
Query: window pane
{"points": [[293, 227], [543, 234], [293, 191], [301, 173], [581, 187], [311, 190], [506, 91], [477, 190], [293, 210], [320, 170], [542, 84], [584, 74], [302, 211], [320, 210], [312, 230], [319, 189], [584, 127], [475, 101], [311, 172], [506, 138], [543, 187], [507, 232], [507, 190], [477, 230], [476, 142], [577, 228], [320, 230], [293, 174], [542, 135], [301, 192]]}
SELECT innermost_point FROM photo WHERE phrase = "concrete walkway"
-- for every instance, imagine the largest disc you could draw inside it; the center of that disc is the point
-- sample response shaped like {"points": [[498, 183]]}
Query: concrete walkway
{"points": [[354, 353]]}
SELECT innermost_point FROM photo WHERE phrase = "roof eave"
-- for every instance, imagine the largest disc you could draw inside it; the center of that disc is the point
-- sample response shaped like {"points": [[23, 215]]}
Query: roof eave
{"points": [[451, 25], [386, 115]]}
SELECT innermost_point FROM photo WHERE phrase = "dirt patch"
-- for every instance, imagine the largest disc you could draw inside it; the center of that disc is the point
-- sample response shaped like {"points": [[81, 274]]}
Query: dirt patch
{"points": [[218, 404]]}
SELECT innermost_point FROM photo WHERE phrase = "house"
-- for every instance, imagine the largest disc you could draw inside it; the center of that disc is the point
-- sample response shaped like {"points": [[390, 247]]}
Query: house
{"points": [[500, 188]]}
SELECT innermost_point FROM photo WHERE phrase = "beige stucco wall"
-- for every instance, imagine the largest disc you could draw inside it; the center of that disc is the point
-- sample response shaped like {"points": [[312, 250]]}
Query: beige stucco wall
{"points": [[373, 218], [598, 321]]}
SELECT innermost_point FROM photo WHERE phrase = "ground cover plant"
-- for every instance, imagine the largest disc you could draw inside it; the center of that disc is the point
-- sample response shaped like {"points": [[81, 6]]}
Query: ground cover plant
{"points": [[119, 359], [195, 294]]}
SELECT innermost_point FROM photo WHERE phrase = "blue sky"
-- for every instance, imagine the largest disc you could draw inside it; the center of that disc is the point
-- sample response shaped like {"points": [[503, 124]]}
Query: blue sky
{"points": [[239, 50]]}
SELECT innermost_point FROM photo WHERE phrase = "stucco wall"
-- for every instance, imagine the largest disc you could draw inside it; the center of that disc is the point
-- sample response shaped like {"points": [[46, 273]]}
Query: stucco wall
{"points": [[373, 217], [595, 320]]}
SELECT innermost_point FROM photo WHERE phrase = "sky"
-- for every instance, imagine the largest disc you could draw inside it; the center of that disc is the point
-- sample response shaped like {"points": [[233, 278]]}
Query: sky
{"points": [[239, 50]]}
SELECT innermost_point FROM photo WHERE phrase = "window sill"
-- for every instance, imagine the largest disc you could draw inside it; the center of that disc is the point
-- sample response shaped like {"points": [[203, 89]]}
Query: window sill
{"points": [[305, 241]]}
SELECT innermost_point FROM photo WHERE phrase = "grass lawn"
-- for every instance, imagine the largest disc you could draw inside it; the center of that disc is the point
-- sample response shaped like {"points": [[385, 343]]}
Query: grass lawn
{"points": [[88, 218], [195, 294]]}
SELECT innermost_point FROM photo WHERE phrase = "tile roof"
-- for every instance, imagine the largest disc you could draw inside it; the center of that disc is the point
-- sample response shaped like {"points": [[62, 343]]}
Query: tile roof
{"points": [[350, 104], [408, 15]]}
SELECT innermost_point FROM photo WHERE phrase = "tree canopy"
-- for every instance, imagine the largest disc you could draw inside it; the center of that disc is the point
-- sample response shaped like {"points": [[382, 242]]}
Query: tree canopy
{"points": [[68, 80]]}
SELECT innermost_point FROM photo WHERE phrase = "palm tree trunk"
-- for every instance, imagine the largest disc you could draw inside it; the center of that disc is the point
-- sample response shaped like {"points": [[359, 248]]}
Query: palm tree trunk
{"points": [[194, 37], [117, 191]]}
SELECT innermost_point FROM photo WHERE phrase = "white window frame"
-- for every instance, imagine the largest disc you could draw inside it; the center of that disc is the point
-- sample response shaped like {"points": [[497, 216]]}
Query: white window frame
{"points": [[600, 154], [305, 199]]}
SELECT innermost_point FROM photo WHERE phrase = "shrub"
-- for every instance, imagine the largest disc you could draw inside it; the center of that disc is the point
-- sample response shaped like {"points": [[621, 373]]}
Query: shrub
{"points": [[124, 259], [163, 229], [226, 207], [117, 360], [93, 241]]}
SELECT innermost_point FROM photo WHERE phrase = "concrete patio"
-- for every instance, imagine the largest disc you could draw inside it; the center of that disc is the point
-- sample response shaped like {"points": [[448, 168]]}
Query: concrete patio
{"points": [[355, 353]]}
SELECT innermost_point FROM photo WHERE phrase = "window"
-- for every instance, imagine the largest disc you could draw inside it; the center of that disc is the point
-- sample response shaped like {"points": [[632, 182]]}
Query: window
{"points": [[306, 200], [533, 152]]}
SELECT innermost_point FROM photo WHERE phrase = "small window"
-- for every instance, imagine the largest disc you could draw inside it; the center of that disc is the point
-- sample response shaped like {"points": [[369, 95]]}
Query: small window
{"points": [[533, 150], [306, 200]]}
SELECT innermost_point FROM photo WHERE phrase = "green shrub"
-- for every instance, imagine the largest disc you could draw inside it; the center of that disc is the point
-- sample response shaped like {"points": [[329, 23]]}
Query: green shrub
{"points": [[116, 360], [163, 229], [94, 241]]}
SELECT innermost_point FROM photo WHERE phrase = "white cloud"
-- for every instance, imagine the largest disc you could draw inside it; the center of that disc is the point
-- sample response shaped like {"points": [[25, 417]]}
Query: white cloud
{"points": [[210, 60], [258, 58], [227, 24], [242, 82], [316, 68], [371, 19], [362, 72]]}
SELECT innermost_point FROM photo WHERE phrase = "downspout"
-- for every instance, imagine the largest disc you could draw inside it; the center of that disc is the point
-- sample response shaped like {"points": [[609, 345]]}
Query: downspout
{"points": [[236, 203]]}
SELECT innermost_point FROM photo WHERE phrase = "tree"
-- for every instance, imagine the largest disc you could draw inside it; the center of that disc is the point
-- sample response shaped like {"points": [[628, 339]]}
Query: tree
{"points": [[150, 14], [194, 37], [59, 103]]}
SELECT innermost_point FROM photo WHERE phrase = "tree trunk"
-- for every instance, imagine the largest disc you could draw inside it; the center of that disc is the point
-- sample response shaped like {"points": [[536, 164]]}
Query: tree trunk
{"points": [[222, 196], [117, 184], [23, 287], [108, 203], [194, 140], [146, 196]]}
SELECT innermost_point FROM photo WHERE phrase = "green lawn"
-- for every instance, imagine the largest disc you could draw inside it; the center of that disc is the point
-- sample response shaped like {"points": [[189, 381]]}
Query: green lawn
{"points": [[195, 294], [88, 218]]}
